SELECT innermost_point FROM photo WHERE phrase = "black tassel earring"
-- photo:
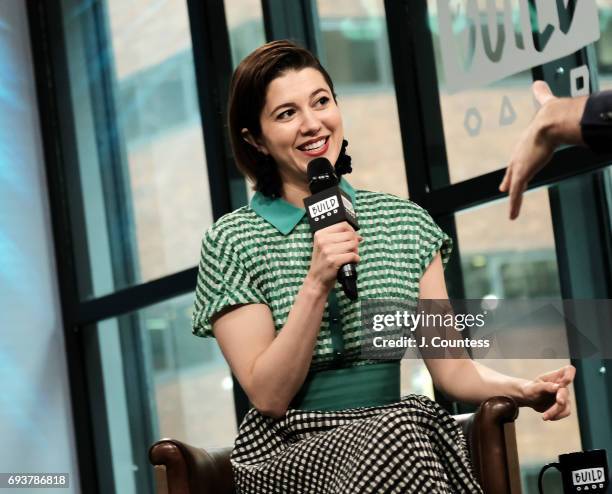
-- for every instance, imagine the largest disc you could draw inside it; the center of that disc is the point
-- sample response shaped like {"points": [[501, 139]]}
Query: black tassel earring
{"points": [[268, 180], [343, 165]]}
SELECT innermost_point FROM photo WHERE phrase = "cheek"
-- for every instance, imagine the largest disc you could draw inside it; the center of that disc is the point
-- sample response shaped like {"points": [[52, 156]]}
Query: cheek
{"points": [[335, 120], [276, 137]]}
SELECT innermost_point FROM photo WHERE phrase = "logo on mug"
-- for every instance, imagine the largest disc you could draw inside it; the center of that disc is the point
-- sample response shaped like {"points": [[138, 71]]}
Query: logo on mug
{"points": [[582, 471], [588, 476]]}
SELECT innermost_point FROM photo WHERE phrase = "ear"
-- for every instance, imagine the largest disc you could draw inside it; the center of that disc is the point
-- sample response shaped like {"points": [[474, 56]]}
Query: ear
{"points": [[248, 137]]}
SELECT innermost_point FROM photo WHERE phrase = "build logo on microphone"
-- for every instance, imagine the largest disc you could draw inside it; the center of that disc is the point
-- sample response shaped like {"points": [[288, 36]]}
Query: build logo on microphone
{"points": [[326, 207]]}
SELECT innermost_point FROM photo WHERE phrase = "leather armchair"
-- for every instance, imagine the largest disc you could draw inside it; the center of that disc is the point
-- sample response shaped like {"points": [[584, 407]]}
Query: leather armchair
{"points": [[490, 434]]}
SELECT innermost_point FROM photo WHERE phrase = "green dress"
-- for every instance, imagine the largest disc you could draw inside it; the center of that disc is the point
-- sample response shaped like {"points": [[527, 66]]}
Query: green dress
{"points": [[348, 417]]}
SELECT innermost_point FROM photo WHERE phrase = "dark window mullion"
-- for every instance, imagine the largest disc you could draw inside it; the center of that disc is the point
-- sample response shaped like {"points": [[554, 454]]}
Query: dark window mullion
{"points": [[294, 20], [112, 156], [134, 298], [584, 258], [68, 223], [212, 58], [416, 91], [213, 68], [566, 163], [418, 101]]}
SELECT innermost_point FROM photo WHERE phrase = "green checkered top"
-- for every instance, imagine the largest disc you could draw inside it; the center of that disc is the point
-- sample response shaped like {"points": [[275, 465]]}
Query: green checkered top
{"points": [[261, 253]]}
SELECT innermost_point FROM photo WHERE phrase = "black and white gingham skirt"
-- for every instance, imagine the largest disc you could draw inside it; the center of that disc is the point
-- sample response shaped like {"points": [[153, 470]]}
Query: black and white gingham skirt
{"points": [[412, 446]]}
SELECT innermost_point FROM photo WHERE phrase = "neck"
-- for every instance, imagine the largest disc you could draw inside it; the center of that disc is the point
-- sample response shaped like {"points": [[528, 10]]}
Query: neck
{"points": [[295, 193]]}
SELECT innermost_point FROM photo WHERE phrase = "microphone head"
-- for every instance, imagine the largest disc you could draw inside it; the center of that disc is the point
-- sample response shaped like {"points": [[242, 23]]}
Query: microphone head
{"points": [[321, 175], [319, 166]]}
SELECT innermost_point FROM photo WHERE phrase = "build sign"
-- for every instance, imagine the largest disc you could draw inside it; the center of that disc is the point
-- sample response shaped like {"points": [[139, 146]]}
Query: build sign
{"points": [[483, 41]]}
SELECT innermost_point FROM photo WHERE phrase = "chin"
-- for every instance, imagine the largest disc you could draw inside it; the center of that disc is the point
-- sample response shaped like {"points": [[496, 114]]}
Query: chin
{"points": [[329, 155]]}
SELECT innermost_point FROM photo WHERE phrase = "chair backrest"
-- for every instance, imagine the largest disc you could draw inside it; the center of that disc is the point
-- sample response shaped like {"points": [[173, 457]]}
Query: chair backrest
{"points": [[466, 421]]}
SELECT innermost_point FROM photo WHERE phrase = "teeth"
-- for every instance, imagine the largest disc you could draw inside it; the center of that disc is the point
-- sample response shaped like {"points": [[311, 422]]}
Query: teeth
{"points": [[314, 145]]}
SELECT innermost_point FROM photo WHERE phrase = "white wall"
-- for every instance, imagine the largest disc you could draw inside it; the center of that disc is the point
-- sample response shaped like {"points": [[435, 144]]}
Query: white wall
{"points": [[35, 418]]}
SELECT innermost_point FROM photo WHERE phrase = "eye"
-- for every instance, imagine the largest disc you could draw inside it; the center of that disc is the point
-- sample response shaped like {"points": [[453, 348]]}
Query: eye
{"points": [[286, 114], [322, 101]]}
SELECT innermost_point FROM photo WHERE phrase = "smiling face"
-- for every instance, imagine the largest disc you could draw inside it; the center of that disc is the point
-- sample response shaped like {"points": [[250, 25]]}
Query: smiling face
{"points": [[300, 121]]}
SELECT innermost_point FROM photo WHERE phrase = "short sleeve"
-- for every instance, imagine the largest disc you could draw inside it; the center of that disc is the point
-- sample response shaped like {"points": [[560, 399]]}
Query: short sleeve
{"points": [[223, 281], [431, 240]]}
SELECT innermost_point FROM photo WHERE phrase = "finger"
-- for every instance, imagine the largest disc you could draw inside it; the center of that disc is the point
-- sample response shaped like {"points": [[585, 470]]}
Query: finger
{"points": [[545, 388], [505, 183], [563, 376], [550, 387], [568, 375], [542, 92], [552, 376], [562, 396], [559, 375], [342, 237], [343, 226], [567, 410], [343, 247], [347, 258], [516, 198], [552, 412], [564, 412], [322, 235]]}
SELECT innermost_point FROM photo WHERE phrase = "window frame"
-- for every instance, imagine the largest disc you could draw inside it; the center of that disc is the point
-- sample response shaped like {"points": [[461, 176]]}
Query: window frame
{"points": [[212, 61], [428, 183]]}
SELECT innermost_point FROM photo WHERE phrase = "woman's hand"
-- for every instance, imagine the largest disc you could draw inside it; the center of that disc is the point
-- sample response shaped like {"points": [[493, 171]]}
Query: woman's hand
{"points": [[333, 247], [548, 393]]}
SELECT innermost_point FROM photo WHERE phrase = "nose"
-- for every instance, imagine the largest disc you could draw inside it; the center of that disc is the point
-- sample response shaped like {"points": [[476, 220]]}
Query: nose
{"points": [[310, 123]]}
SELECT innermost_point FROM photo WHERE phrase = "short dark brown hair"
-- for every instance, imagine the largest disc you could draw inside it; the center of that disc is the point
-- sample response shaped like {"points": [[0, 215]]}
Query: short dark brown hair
{"points": [[247, 97]]}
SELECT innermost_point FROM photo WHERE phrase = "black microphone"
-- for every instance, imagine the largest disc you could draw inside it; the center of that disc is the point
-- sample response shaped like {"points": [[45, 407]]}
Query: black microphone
{"points": [[329, 205]]}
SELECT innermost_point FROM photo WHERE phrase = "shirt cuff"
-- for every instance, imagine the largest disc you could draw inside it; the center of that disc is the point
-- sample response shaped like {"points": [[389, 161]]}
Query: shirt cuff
{"points": [[596, 122]]}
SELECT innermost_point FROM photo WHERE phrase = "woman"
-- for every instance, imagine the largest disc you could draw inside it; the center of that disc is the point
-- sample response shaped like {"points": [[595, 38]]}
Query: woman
{"points": [[325, 420]]}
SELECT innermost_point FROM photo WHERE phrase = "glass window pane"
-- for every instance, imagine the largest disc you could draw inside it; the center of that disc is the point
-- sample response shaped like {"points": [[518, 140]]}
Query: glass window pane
{"points": [[481, 124], [193, 384], [603, 47], [415, 378], [246, 32], [140, 149], [354, 49], [245, 26], [158, 380], [516, 259]]}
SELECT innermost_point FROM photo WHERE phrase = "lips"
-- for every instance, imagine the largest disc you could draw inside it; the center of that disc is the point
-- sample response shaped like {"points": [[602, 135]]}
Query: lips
{"points": [[315, 147]]}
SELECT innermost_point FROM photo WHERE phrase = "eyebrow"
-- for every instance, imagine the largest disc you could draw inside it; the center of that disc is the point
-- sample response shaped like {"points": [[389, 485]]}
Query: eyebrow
{"points": [[290, 103]]}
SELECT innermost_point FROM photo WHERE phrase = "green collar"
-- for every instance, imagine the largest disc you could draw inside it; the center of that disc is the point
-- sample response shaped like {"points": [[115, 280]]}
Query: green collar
{"points": [[283, 215]]}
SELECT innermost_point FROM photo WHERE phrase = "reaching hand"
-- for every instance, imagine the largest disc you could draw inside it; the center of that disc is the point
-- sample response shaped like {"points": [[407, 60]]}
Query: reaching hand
{"points": [[533, 150], [556, 122], [548, 393]]}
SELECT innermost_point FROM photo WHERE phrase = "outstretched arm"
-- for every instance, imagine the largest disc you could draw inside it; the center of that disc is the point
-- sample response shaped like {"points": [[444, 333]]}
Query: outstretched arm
{"points": [[471, 382]]}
